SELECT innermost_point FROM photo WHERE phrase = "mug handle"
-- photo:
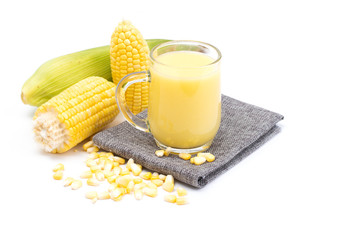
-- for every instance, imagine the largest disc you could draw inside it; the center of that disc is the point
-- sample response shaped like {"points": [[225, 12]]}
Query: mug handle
{"points": [[124, 83]]}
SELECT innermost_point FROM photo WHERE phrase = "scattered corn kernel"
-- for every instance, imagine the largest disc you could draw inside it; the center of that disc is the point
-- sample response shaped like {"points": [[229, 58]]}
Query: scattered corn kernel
{"points": [[92, 149], [138, 194], [136, 170], [104, 195], [68, 181], [91, 195], [87, 145], [139, 186], [76, 184], [160, 153], [151, 192], [95, 168], [112, 186], [154, 175], [192, 160], [92, 182], [111, 179], [117, 170], [181, 201], [90, 162], [157, 182], [208, 156], [116, 194], [116, 164], [124, 172], [181, 191], [129, 163], [100, 176], [93, 155], [119, 160], [145, 175], [130, 186], [185, 156], [123, 181], [167, 151], [151, 185], [108, 173], [58, 175], [169, 183], [170, 198], [109, 154], [137, 180], [86, 174], [162, 177], [199, 160], [58, 167]]}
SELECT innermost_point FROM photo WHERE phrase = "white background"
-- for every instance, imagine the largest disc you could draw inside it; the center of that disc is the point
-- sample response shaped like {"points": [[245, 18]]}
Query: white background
{"points": [[298, 58]]}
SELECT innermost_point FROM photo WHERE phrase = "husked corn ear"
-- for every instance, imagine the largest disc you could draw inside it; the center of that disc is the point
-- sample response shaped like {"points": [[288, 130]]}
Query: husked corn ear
{"points": [[75, 114], [129, 53]]}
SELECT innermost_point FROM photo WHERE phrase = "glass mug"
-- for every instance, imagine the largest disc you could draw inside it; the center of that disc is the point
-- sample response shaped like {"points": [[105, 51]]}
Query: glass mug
{"points": [[184, 110]]}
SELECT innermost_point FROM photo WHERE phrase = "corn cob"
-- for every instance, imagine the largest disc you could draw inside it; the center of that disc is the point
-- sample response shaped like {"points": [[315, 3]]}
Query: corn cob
{"points": [[75, 114], [129, 53], [57, 74]]}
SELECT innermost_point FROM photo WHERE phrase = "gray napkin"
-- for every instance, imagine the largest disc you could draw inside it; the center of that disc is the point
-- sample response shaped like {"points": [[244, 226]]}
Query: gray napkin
{"points": [[243, 129]]}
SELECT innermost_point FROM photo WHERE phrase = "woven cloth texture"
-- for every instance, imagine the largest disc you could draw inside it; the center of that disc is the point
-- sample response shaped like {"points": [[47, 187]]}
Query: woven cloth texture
{"points": [[243, 129]]}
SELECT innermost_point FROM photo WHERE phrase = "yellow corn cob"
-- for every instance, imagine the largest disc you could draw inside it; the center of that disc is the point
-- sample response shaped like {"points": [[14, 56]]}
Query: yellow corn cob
{"points": [[129, 53], [75, 114]]}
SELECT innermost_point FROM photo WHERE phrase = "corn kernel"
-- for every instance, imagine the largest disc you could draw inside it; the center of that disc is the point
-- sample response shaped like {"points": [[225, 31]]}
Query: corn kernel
{"points": [[58, 175], [181, 191], [199, 160], [86, 174], [145, 175], [139, 186], [100, 176], [112, 186], [138, 194], [116, 194], [90, 162], [130, 186], [162, 177], [93, 155], [108, 173], [157, 182], [95, 168], [185, 156], [119, 160], [123, 181], [76, 184], [181, 201], [124, 172], [116, 164], [169, 183], [151, 185], [68, 181], [104, 195], [117, 170], [58, 167], [170, 198], [167, 151], [159, 153], [151, 192], [136, 170], [137, 180], [154, 175], [109, 154], [128, 164], [87, 145], [91, 195], [92, 149], [192, 160], [208, 156], [92, 182]]}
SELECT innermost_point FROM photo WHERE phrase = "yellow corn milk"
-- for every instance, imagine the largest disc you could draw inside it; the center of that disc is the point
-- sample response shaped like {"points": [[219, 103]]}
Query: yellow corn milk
{"points": [[184, 99]]}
